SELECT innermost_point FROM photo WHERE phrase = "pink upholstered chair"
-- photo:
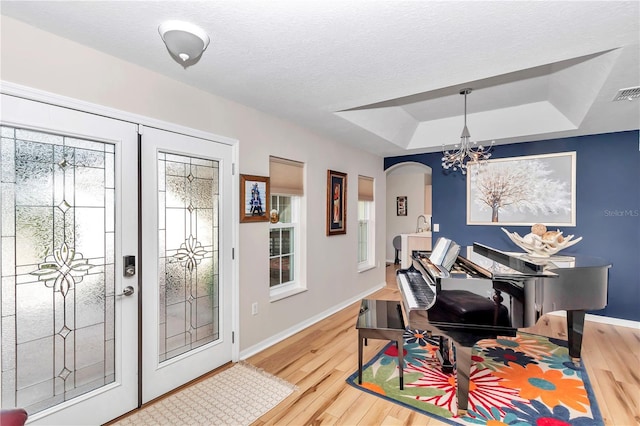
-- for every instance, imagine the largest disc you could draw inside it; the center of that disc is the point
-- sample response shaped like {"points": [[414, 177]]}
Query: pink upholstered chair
{"points": [[13, 417]]}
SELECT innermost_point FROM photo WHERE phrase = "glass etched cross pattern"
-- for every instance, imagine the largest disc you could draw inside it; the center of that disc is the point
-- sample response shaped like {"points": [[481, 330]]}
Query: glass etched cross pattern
{"points": [[57, 241], [188, 261]]}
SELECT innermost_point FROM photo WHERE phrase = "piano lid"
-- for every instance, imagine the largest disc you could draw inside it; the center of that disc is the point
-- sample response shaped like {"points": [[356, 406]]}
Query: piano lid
{"points": [[564, 262], [534, 266], [502, 265]]}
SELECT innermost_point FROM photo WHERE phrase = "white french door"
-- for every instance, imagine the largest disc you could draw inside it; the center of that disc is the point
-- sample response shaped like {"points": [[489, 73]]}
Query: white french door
{"points": [[186, 259], [68, 216]]}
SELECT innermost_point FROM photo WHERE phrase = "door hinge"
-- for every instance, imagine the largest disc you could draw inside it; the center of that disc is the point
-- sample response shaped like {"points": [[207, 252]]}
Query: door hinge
{"points": [[233, 168], [233, 337], [140, 129], [233, 253]]}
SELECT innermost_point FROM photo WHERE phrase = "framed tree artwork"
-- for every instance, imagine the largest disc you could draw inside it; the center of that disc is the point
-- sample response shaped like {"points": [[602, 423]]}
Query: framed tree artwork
{"points": [[522, 191], [254, 198], [336, 203]]}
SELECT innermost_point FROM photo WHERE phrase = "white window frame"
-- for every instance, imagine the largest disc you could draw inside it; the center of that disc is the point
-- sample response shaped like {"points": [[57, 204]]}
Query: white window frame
{"points": [[369, 262], [297, 285]]}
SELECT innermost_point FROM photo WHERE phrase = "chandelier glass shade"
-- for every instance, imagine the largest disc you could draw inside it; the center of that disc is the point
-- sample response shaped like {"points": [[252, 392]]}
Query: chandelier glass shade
{"points": [[467, 151]]}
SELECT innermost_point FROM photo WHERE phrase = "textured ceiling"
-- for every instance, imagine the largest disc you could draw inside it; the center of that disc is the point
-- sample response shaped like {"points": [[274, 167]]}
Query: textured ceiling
{"points": [[385, 76]]}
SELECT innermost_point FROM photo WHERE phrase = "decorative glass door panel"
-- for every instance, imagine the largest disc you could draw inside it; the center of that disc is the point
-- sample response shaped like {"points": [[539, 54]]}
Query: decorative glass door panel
{"points": [[57, 267], [188, 259], [66, 356]]}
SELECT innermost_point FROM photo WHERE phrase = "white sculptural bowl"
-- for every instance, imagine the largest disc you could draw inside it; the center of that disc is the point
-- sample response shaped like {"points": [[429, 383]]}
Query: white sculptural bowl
{"points": [[534, 245]]}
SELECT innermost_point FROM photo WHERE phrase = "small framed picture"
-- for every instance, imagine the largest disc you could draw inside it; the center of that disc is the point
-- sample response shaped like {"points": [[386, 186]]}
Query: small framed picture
{"points": [[254, 198], [336, 203], [401, 205]]}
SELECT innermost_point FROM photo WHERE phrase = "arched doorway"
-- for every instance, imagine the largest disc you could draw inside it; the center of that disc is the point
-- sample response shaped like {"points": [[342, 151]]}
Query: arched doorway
{"points": [[413, 181]]}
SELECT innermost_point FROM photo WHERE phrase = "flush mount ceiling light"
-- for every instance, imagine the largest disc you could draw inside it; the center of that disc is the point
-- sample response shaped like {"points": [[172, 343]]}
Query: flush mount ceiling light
{"points": [[185, 41], [467, 151]]}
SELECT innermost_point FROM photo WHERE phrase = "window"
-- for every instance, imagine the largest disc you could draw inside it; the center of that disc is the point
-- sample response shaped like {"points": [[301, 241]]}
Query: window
{"points": [[285, 239], [282, 237], [366, 240], [363, 231]]}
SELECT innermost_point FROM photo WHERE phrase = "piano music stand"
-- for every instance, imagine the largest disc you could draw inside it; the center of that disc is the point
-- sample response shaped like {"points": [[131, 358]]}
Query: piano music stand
{"points": [[381, 319]]}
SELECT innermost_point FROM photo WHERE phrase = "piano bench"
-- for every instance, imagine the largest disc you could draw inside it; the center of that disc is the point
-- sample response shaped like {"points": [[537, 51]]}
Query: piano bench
{"points": [[465, 307], [381, 319]]}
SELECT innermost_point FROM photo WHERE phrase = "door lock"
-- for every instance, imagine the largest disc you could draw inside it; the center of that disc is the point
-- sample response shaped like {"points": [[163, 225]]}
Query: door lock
{"points": [[127, 291], [129, 266]]}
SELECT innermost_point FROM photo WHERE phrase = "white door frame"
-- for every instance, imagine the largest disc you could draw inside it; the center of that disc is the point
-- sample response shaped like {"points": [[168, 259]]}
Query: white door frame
{"points": [[68, 102]]}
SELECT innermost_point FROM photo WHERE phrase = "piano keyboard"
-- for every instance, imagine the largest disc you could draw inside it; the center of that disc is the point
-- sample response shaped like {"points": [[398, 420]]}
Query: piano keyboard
{"points": [[418, 293]]}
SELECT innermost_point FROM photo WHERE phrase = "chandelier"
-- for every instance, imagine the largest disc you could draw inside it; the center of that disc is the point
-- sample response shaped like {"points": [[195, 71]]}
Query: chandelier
{"points": [[467, 151]]}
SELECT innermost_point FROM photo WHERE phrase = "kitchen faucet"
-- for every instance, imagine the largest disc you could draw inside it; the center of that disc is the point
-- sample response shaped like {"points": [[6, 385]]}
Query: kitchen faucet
{"points": [[418, 222]]}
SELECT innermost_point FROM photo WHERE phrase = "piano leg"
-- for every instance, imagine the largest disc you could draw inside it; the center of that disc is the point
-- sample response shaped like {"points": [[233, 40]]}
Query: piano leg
{"points": [[575, 330], [463, 371], [446, 364]]}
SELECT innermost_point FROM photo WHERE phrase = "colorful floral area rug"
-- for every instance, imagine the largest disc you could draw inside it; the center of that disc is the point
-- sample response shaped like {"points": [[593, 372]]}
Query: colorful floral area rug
{"points": [[522, 380]]}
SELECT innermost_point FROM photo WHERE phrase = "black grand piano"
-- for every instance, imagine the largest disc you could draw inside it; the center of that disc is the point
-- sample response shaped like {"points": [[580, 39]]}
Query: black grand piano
{"points": [[442, 294]]}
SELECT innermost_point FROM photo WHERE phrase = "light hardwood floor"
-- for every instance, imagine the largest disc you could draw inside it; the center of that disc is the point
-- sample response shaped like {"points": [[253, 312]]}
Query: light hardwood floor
{"points": [[320, 358]]}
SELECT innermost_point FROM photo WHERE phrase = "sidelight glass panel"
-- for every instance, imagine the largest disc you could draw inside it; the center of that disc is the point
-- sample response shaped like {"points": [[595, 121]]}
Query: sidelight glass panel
{"points": [[57, 241], [188, 254]]}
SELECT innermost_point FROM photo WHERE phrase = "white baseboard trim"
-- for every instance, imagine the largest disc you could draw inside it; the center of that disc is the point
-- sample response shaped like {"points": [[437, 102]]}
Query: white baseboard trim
{"points": [[603, 320], [250, 351]]}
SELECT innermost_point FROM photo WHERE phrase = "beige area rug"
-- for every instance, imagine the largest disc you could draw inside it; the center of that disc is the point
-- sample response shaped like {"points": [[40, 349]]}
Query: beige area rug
{"points": [[237, 396]]}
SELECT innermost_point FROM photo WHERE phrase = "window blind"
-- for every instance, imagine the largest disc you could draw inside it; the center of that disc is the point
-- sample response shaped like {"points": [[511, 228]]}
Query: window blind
{"points": [[286, 176], [365, 188]]}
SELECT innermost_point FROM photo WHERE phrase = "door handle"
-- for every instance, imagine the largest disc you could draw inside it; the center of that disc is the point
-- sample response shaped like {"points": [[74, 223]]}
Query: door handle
{"points": [[127, 291]]}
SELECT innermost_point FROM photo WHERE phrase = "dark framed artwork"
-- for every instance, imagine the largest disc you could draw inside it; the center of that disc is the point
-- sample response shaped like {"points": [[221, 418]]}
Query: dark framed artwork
{"points": [[254, 198], [401, 205], [336, 203]]}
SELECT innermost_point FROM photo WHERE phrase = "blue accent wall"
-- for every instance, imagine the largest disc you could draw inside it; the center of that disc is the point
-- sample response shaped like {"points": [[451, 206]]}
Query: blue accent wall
{"points": [[607, 207]]}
